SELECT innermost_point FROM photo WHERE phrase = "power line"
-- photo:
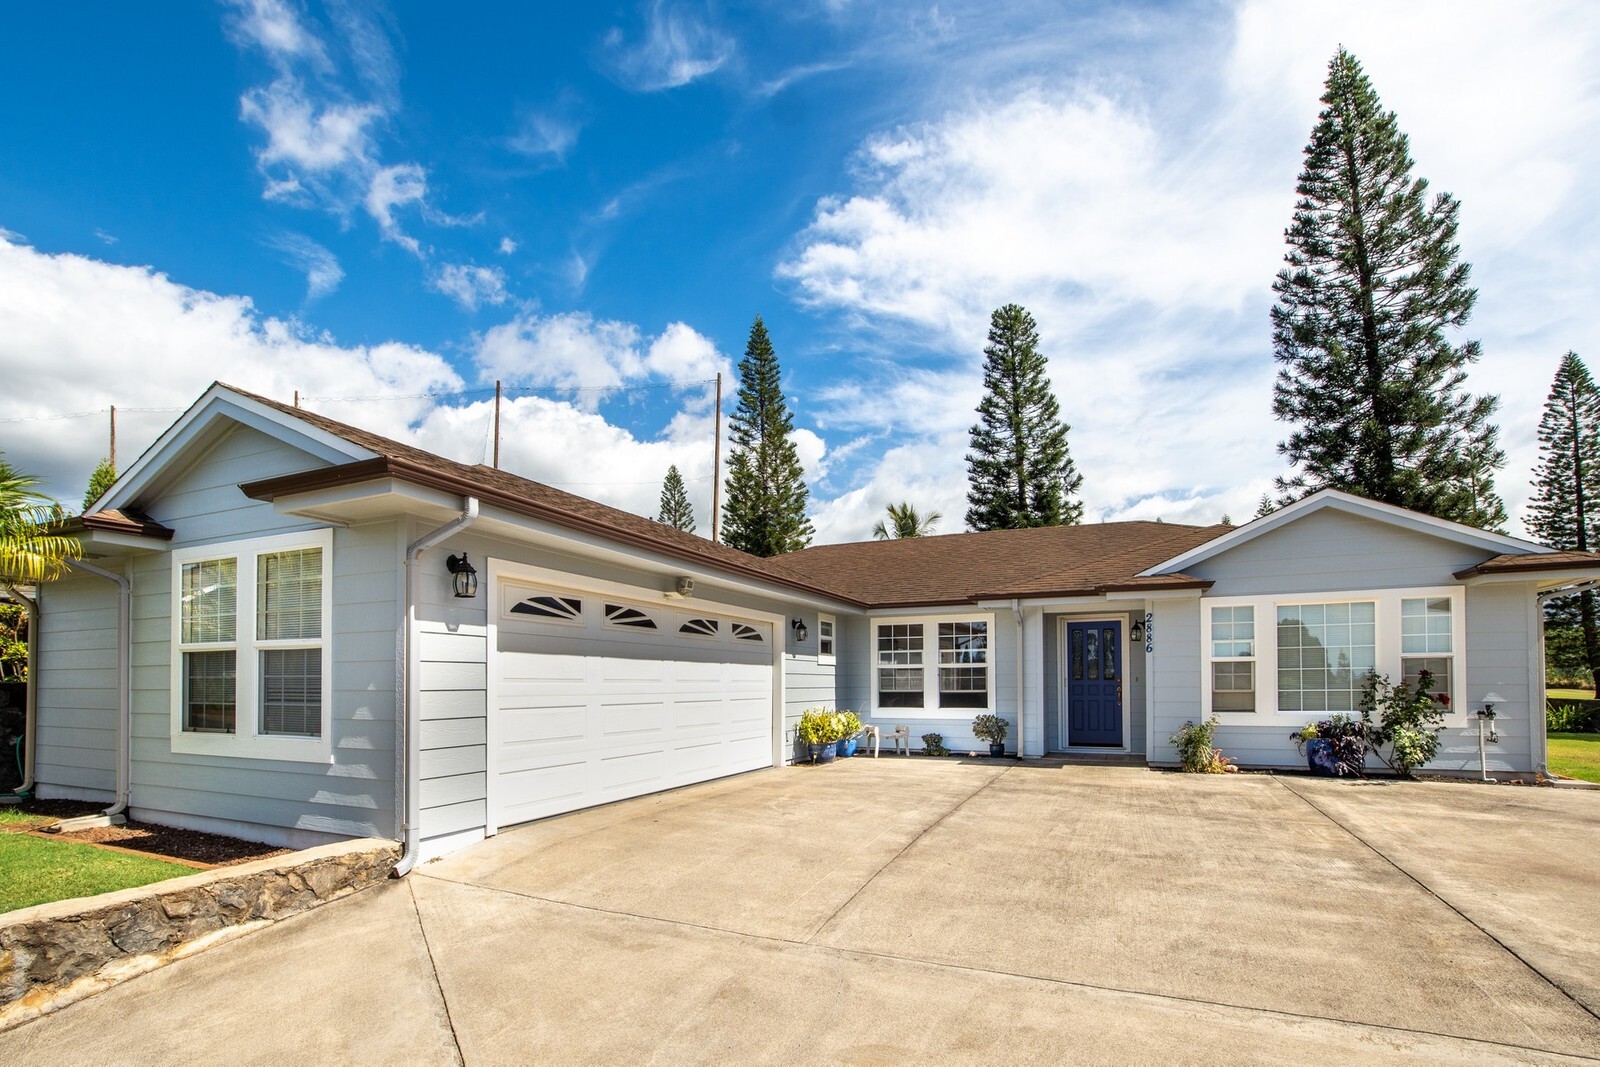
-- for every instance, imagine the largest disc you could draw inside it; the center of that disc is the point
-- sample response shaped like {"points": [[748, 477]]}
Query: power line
{"points": [[86, 414]]}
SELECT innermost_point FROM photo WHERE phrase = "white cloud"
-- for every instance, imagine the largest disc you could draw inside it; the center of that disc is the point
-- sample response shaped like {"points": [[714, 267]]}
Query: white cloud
{"points": [[321, 267], [507, 246], [551, 131], [677, 47], [574, 350], [396, 187], [271, 26], [1139, 214], [76, 327], [322, 147], [470, 286]]}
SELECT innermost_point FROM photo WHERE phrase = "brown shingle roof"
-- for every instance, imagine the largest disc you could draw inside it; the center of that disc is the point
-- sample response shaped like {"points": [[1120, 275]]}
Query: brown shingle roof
{"points": [[1048, 561], [1519, 563], [123, 522], [519, 495]]}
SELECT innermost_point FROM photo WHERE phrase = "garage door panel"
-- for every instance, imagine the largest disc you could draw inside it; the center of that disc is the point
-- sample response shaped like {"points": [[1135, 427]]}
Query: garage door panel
{"points": [[525, 726], [590, 710]]}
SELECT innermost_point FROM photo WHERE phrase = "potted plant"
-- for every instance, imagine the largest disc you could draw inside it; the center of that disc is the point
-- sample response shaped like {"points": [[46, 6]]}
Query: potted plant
{"points": [[849, 729], [991, 728], [818, 731], [1336, 745]]}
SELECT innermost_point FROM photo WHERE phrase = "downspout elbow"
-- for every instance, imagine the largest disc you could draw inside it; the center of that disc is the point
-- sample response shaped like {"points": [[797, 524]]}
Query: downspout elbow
{"points": [[411, 713]]}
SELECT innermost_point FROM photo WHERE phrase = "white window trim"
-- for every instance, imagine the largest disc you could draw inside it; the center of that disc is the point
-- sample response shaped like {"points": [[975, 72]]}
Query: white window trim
{"points": [[1386, 615], [825, 658], [930, 667], [247, 741]]}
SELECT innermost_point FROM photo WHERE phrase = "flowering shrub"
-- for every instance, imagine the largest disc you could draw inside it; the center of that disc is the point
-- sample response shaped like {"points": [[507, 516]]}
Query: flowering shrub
{"points": [[1409, 721]]}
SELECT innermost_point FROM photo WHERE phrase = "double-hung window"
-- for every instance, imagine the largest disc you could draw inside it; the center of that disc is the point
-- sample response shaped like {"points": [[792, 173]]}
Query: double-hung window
{"points": [[1427, 643], [251, 655], [938, 667], [827, 636], [1233, 658]]}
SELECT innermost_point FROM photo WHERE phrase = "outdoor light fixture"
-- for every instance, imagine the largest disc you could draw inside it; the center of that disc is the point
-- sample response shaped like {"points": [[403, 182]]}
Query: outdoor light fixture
{"points": [[462, 576], [1136, 633], [799, 631]]}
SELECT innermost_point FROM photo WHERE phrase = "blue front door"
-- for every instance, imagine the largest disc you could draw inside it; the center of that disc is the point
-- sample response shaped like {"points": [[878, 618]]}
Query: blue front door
{"points": [[1094, 684]]}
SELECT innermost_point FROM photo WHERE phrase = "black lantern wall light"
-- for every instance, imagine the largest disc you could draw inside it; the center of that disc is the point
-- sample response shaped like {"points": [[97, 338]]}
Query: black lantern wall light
{"points": [[799, 628], [462, 576]]}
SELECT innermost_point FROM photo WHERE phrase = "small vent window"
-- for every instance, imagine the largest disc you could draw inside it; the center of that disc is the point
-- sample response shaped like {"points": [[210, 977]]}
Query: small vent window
{"points": [[622, 615], [700, 628], [567, 609], [742, 632]]}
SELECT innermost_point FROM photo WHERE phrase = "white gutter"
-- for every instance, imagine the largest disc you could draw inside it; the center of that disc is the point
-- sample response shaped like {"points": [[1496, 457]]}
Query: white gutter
{"points": [[1016, 609], [124, 682], [30, 708], [411, 688]]}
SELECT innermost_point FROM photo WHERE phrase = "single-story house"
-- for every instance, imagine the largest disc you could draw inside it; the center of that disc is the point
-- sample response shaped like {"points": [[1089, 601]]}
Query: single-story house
{"points": [[274, 633]]}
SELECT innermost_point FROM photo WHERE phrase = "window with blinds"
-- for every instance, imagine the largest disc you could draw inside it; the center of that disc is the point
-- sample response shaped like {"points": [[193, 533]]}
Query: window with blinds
{"points": [[250, 674]]}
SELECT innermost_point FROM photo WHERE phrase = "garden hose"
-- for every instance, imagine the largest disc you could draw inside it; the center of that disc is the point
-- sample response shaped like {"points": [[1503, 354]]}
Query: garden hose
{"points": [[16, 744]]}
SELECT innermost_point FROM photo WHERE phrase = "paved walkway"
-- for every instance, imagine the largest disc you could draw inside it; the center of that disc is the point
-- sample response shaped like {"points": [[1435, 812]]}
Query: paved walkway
{"points": [[909, 910]]}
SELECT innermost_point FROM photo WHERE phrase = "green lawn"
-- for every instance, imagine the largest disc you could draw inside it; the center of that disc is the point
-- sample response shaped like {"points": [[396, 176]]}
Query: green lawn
{"points": [[36, 871], [1576, 756], [1569, 694], [12, 818]]}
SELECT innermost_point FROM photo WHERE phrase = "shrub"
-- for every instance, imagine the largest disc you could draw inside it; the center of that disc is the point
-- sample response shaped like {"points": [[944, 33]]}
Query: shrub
{"points": [[1409, 721], [1197, 751], [818, 726], [1572, 716], [991, 728], [933, 745]]}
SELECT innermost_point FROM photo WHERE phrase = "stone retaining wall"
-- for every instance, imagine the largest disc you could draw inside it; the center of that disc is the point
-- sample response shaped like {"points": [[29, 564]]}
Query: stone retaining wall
{"points": [[53, 954]]}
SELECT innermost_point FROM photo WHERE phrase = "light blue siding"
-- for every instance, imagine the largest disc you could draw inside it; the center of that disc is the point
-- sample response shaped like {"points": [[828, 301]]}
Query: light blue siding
{"points": [[1333, 550], [856, 678], [77, 688], [274, 800]]}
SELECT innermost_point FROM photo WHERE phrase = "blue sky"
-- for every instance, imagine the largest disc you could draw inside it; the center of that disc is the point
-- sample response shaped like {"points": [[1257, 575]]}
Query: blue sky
{"points": [[592, 202]]}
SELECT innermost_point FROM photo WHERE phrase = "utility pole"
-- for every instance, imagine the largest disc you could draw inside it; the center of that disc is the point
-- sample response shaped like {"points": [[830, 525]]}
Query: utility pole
{"points": [[716, 464], [297, 398], [113, 437], [497, 424]]}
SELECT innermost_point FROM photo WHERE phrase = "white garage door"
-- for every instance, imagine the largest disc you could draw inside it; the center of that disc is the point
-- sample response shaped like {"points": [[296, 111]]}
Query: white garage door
{"points": [[598, 697]]}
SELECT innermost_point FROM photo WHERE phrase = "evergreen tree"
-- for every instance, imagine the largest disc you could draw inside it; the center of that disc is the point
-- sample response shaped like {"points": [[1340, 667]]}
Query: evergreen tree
{"points": [[1019, 471], [903, 521], [1265, 507], [1565, 505], [104, 474], [765, 511], [676, 510], [1367, 377]]}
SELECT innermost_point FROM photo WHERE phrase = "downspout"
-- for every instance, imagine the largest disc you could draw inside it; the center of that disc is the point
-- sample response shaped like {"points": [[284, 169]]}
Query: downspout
{"points": [[411, 710], [1016, 610], [124, 683], [30, 707]]}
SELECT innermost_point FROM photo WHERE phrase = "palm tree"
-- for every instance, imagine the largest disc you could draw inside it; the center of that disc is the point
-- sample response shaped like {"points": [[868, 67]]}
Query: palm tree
{"points": [[29, 552], [905, 522]]}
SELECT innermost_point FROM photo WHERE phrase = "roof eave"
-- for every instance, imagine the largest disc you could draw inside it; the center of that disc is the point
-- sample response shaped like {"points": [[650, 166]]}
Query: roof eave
{"points": [[269, 489]]}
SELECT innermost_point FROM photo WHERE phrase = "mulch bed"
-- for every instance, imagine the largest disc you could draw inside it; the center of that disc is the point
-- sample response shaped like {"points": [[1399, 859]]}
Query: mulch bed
{"points": [[192, 847]]}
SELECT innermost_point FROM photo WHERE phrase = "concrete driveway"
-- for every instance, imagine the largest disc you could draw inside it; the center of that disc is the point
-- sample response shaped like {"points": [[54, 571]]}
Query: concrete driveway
{"points": [[912, 910]]}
